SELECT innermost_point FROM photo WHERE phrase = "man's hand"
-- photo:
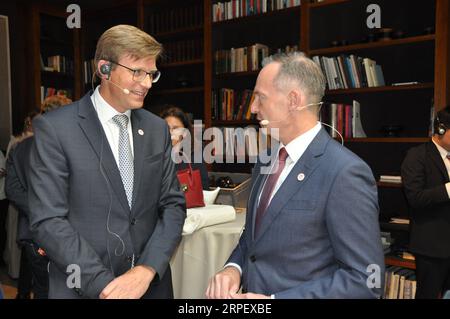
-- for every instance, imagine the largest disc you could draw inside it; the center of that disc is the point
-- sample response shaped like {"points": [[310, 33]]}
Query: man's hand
{"points": [[131, 285], [249, 296], [2, 172], [224, 284]]}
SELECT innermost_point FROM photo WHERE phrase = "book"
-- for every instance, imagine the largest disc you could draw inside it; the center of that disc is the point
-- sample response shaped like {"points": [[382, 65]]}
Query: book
{"points": [[358, 131]]}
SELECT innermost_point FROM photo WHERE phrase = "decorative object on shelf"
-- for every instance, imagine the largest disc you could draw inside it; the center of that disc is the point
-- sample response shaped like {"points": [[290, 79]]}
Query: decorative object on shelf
{"points": [[225, 182], [339, 43], [384, 34], [428, 30], [391, 130]]}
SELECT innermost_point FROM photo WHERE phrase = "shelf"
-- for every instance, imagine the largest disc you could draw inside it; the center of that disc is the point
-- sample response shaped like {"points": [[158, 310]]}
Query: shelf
{"points": [[388, 140], [389, 185], [397, 261], [420, 86], [394, 227], [57, 74], [257, 16], [56, 41], [372, 45], [235, 123], [237, 74], [177, 91], [182, 63], [327, 3], [178, 32]]}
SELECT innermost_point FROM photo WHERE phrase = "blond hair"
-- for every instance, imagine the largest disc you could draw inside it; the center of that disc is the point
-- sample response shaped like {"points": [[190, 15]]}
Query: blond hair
{"points": [[53, 102], [126, 40]]}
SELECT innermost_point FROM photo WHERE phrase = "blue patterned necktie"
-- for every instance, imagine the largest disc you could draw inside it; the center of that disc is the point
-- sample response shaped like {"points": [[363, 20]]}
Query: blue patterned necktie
{"points": [[126, 164]]}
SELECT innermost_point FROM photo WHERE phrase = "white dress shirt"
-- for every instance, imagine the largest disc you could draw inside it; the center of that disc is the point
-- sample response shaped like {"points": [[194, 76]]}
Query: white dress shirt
{"points": [[443, 152], [295, 150], [105, 114]]}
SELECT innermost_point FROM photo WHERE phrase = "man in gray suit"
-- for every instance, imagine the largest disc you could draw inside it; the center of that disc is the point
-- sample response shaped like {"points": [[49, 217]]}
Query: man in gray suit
{"points": [[312, 224], [105, 202]]}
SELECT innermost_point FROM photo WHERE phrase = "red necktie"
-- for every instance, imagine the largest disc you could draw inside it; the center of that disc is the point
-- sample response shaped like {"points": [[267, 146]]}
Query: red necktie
{"points": [[268, 188]]}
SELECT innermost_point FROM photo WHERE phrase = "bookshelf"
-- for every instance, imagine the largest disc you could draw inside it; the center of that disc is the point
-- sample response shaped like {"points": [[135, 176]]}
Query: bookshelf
{"points": [[179, 26], [54, 54]]}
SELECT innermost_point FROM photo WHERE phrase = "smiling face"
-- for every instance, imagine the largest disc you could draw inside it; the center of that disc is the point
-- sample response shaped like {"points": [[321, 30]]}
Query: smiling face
{"points": [[121, 78]]}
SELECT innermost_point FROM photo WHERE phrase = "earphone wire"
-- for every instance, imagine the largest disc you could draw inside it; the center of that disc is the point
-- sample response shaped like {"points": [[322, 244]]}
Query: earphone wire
{"points": [[108, 186]]}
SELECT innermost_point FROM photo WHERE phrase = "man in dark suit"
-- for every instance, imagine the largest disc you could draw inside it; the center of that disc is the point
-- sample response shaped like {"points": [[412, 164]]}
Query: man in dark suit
{"points": [[106, 204], [312, 226], [425, 176]]}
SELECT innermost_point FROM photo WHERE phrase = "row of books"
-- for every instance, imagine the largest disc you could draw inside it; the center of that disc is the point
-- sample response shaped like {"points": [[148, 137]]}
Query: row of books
{"points": [[346, 119], [175, 19], [238, 142], [88, 71], [184, 50], [348, 72], [50, 91], [400, 283], [241, 8], [240, 59], [58, 63], [229, 104]]}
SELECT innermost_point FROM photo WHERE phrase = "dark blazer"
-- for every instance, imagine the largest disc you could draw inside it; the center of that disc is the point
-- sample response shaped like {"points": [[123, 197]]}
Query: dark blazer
{"points": [[80, 214], [319, 234], [16, 185], [424, 176]]}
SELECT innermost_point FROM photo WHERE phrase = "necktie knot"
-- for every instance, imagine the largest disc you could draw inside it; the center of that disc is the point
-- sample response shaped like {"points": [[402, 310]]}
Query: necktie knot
{"points": [[283, 154], [121, 120]]}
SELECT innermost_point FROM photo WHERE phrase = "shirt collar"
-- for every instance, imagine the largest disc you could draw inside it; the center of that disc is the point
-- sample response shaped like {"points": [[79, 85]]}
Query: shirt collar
{"points": [[104, 110], [442, 151], [298, 146]]}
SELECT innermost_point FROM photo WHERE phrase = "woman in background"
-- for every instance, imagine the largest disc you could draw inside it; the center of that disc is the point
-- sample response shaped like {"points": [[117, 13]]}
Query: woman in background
{"points": [[178, 120]]}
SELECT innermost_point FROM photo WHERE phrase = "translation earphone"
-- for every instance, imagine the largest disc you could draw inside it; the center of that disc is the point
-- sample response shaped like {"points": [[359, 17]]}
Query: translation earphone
{"points": [[440, 128], [105, 69]]}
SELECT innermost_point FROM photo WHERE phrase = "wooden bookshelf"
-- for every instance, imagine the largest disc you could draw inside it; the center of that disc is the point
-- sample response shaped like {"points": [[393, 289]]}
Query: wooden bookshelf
{"points": [[326, 3], [389, 185], [179, 32], [372, 45], [397, 261], [420, 86], [237, 74], [177, 91], [182, 63], [261, 16]]}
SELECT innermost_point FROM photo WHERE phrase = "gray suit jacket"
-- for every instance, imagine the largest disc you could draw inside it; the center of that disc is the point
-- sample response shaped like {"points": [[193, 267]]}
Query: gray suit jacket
{"points": [[80, 215], [318, 235]]}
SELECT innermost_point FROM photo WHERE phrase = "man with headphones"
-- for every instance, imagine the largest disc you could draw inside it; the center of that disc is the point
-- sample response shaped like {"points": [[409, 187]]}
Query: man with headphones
{"points": [[425, 174], [312, 226], [105, 202]]}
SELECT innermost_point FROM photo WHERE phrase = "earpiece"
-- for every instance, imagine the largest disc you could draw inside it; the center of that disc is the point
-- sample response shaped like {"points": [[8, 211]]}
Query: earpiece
{"points": [[440, 128], [105, 69]]}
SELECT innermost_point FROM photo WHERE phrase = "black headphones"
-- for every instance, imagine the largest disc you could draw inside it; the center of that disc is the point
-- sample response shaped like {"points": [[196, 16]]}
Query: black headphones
{"points": [[439, 128], [105, 69]]}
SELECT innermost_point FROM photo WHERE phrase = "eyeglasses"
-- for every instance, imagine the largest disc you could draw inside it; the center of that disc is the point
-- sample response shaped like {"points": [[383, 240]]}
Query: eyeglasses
{"points": [[140, 75]]}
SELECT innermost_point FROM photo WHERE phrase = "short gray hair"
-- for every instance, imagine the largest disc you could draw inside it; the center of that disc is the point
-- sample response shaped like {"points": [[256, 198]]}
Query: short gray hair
{"points": [[297, 69]]}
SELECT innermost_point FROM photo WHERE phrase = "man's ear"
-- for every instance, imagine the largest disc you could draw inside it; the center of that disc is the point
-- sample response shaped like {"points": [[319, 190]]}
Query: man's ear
{"points": [[295, 100]]}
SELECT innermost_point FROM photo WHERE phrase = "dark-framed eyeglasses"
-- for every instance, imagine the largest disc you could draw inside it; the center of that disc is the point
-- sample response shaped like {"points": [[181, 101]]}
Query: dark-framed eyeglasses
{"points": [[140, 75]]}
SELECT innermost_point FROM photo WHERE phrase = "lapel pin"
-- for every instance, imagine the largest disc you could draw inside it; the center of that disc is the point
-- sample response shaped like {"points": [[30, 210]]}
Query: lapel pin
{"points": [[140, 132], [301, 177]]}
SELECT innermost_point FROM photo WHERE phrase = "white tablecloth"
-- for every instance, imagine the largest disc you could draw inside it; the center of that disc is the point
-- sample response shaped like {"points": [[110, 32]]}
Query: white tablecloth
{"points": [[201, 254]]}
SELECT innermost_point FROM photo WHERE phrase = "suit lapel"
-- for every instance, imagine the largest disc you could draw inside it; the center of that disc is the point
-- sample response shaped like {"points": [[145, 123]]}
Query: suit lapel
{"points": [[139, 135], [437, 159], [93, 130], [256, 191], [291, 185]]}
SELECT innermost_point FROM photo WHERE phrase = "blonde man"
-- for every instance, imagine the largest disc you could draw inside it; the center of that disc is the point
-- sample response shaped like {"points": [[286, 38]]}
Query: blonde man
{"points": [[107, 208]]}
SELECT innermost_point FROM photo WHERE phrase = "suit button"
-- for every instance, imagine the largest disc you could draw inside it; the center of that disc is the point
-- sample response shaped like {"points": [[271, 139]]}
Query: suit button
{"points": [[133, 221], [252, 258]]}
